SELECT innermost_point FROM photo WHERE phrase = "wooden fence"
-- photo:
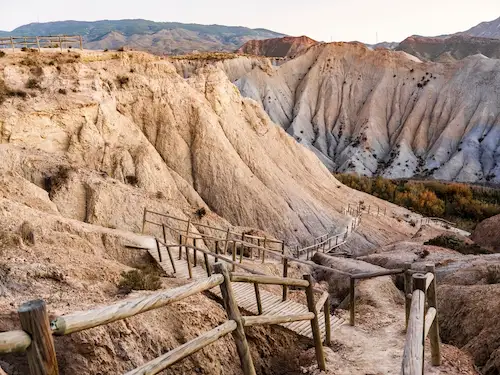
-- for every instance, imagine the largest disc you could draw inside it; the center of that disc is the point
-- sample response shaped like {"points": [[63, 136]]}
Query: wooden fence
{"points": [[36, 336], [423, 321], [39, 42]]}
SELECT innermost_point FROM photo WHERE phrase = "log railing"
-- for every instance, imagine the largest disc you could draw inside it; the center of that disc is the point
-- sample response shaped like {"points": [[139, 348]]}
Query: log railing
{"points": [[423, 322], [38, 42], [36, 338]]}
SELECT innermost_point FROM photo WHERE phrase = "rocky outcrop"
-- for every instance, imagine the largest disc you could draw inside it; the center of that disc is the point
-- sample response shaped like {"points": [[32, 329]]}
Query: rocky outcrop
{"points": [[487, 234], [490, 29], [387, 113], [287, 46], [455, 47]]}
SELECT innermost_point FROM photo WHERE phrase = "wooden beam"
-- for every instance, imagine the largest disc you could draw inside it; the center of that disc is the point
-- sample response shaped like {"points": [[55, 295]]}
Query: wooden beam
{"points": [[413, 355], [168, 359], [233, 313], [429, 320], [320, 355], [14, 342], [257, 298], [434, 328], [328, 324], [41, 353], [275, 319], [407, 291], [80, 321], [321, 301], [370, 275], [285, 274], [429, 279], [264, 279]]}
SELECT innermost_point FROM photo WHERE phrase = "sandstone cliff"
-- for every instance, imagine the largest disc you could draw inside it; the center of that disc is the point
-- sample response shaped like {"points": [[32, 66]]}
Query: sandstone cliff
{"points": [[287, 46], [387, 113]]}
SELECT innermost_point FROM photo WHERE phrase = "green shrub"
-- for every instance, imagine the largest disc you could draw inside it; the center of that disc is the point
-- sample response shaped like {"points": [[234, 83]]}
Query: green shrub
{"points": [[139, 279]]}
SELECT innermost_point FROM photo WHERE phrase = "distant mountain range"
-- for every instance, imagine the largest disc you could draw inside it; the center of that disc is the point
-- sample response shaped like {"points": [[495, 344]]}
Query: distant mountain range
{"points": [[156, 37]]}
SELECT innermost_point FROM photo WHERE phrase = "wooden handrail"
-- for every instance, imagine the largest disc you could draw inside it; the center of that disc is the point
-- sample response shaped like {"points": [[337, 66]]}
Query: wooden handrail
{"points": [[249, 321], [369, 275], [80, 321], [270, 280], [168, 359], [14, 341]]}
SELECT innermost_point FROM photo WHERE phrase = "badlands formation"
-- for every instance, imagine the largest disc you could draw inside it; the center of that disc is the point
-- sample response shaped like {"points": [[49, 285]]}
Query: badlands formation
{"points": [[89, 140], [387, 113]]}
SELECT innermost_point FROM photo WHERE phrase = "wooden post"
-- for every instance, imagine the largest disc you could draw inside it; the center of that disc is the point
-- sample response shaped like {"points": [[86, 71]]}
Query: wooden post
{"points": [[195, 255], [419, 283], [328, 324], [41, 353], [242, 246], [336, 240], [227, 242], [352, 297], [285, 274], [407, 291], [234, 255], [283, 247], [188, 263], [216, 251], [144, 219], [180, 246], [320, 356], [188, 225], [38, 43], [257, 297], [158, 249], [207, 265], [434, 331], [12, 44], [233, 313], [81, 43], [241, 253]]}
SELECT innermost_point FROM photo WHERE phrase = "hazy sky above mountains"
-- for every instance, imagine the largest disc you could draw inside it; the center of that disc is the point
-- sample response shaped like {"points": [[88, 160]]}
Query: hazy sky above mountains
{"points": [[323, 20]]}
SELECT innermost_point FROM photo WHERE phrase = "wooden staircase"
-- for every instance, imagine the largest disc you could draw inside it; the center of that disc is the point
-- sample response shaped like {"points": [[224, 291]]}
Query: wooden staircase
{"points": [[245, 293]]}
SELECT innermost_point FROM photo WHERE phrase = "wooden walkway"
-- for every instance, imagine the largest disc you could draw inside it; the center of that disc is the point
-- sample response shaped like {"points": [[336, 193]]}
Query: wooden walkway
{"points": [[272, 304]]}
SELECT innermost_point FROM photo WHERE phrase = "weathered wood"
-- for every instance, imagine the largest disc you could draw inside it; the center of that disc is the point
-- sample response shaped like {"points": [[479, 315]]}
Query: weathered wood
{"points": [[264, 279], [369, 275], [429, 320], [242, 248], [190, 270], [352, 299], [216, 251], [413, 354], [233, 313], [257, 298], [275, 319], [207, 265], [195, 255], [80, 321], [226, 242], [234, 255], [144, 219], [168, 359], [14, 341], [321, 301], [285, 274], [180, 246], [407, 291], [158, 249], [434, 328], [429, 278], [318, 345], [81, 43], [328, 324], [41, 353]]}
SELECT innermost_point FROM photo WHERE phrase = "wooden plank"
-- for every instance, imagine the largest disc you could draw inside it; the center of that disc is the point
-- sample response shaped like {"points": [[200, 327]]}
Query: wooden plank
{"points": [[429, 320], [429, 278], [370, 275], [41, 353], [321, 301], [14, 341], [264, 279], [257, 298], [275, 319], [434, 328], [80, 321], [168, 359]]}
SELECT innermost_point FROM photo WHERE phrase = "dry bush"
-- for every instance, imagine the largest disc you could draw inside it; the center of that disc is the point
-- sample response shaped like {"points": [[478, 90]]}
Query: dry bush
{"points": [[2, 53], [131, 180], [122, 80], [207, 56], [201, 212], [62, 91], [455, 243], [146, 278], [27, 233], [493, 274], [7, 92], [34, 84], [58, 179]]}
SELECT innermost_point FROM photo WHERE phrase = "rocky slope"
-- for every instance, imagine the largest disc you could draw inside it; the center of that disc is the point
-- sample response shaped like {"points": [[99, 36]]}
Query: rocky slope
{"points": [[447, 49], [487, 234], [489, 29], [156, 37], [387, 113], [287, 46]]}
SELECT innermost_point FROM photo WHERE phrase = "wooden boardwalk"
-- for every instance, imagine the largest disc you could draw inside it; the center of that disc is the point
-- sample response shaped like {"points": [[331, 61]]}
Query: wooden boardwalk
{"points": [[272, 304]]}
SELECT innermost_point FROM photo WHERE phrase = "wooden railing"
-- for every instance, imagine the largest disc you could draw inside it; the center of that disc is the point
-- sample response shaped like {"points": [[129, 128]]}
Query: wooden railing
{"points": [[423, 321], [38, 42], [36, 338]]}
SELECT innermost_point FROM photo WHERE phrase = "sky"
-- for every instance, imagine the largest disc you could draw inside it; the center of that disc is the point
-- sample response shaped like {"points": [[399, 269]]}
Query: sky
{"points": [[323, 20]]}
